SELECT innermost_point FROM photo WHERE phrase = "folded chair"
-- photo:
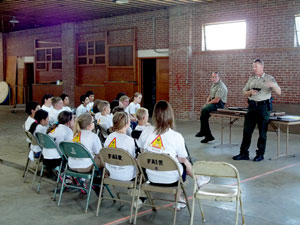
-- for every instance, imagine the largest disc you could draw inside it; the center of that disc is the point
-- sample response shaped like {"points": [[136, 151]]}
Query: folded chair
{"points": [[33, 141], [47, 142], [214, 191], [159, 162], [118, 157], [79, 151], [100, 131]]}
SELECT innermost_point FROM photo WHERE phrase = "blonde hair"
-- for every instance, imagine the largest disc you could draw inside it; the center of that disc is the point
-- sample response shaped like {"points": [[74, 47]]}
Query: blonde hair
{"points": [[123, 98], [120, 120], [163, 117], [96, 105], [141, 112], [81, 123], [102, 105], [55, 100]]}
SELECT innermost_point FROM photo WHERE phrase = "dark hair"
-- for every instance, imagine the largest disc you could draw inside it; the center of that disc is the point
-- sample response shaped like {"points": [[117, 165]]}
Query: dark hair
{"points": [[82, 98], [163, 117], [45, 97], [64, 117], [95, 106], [63, 96], [38, 116], [88, 93], [258, 61], [113, 104], [30, 106], [119, 95], [118, 109]]}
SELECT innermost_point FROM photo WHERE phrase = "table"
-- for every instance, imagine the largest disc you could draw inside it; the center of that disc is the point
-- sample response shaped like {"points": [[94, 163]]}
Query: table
{"points": [[275, 122]]}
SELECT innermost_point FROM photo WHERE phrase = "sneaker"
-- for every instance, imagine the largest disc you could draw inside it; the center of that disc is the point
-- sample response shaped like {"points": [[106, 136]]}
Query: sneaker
{"points": [[202, 180], [200, 134], [207, 139], [179, 206], [139, 203]]}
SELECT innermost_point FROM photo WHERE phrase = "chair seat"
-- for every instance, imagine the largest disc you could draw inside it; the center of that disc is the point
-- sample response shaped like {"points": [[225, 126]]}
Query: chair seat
{"points": [[151, 187], [217, 192], [110, 181]]}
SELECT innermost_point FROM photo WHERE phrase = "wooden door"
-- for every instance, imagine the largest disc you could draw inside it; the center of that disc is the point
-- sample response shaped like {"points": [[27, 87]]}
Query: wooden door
{"points": [[162, 79], [11, 72]]}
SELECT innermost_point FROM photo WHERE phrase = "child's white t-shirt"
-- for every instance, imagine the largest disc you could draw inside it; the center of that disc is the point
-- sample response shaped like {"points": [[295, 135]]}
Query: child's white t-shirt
{"points": [[140, 128], [133, 107], [46, 108], [28, 124], [81, 110], [123, 141], [105, 121], [59, 134], [91, 141], [170, 143], [53, 116]]}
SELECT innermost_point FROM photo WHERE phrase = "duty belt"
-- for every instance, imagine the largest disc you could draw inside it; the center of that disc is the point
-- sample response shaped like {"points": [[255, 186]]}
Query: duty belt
{"points": [[265, 102]]}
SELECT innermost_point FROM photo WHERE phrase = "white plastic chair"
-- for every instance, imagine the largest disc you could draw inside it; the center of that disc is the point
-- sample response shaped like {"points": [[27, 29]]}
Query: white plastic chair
{"points": [[217, 192]]}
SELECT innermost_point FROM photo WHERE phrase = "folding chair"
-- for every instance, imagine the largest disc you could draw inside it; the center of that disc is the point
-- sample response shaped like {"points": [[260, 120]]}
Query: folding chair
{"points": [[79, 151], [214, 191], [33, 141], [47, 142], [159, 162], [118, 157], [28, 160], [100, 131]]}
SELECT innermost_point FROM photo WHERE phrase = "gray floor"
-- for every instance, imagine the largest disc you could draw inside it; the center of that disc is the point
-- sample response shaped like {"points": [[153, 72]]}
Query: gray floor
{"points": [[270, 188]]}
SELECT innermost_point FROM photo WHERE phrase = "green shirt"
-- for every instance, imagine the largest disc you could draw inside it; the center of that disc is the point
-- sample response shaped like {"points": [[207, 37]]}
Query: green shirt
{"points": [[219, 90]]}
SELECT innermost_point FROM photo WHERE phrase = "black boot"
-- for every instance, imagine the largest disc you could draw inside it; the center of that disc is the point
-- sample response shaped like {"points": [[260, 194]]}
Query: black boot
{"points": [[241, 157]]}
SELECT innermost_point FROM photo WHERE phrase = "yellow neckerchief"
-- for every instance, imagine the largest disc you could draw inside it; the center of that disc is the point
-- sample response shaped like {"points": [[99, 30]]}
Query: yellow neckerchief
{"points": [[77, 138]]}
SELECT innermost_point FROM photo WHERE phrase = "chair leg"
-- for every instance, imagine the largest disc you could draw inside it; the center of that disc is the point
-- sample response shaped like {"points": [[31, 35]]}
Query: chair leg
{"points": [[192, 213], [136, 207], [109, 191], [35, 173], [57, 181], [186, 199], [26, 169], [40, 179], [61, 189], [175, 209], [201, 209], [89, 194], [237, 212], [242, 211], [133, 202], [26, 166], [100, 196]]}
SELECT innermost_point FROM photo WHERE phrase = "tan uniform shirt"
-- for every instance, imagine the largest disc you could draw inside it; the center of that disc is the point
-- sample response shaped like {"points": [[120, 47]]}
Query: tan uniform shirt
{"points": [[259, 82], [219, 90]]}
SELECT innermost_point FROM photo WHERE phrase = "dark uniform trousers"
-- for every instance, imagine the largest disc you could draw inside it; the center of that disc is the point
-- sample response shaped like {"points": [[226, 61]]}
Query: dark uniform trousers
{"points": [[258, 113], [205, 114]]}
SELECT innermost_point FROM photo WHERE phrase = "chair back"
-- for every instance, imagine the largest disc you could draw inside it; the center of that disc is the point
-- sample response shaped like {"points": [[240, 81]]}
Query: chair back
{"points": [[32, 139], [76, 150], [136, 134], [47, 142], [215, 169], [158, 162], [117, 157]]}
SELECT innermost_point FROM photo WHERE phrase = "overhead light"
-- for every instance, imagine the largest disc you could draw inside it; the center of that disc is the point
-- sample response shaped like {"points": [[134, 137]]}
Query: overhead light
{"points": [[121, 1], [14, 20]]}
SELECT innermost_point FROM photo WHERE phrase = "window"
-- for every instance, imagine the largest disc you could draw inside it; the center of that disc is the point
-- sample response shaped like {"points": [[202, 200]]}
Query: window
{"points": [[121, 55], [48, 58], [297, 26], [224, 36], [91, 53]]}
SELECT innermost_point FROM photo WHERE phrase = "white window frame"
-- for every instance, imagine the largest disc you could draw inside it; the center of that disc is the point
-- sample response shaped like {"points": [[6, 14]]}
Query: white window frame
{"points": [[297, 31], [204, 35]]}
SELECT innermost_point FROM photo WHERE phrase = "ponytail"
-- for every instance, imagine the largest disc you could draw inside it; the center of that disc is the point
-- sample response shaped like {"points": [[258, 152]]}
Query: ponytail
{"points": [[81, 123]]}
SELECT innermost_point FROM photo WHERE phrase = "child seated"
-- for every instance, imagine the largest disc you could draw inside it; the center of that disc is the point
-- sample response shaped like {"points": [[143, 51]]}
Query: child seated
{"points": [[40, 125], [83, 106], [119, 139], [91, 97], [61, 132], [83, 134], [142, 117], [104, 117], [47, 102], [66, 101], [31, 108], [57, 107]]}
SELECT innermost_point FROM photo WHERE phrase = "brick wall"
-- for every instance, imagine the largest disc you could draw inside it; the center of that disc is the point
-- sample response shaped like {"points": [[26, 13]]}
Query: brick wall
{"points": [[270, 36]]}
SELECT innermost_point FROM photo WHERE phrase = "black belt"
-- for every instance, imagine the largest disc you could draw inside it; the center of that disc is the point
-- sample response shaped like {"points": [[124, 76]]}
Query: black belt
{"points": [[265, 102]]}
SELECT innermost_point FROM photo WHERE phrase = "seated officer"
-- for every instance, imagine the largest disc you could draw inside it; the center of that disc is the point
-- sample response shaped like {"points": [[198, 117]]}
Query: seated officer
{"points": [[216, 99]]}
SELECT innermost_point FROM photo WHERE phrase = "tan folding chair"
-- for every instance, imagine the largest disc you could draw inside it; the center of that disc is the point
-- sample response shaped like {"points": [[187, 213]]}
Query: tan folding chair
{"points": [[33, 141], [214, 191], [118, 157], [159, 162]]}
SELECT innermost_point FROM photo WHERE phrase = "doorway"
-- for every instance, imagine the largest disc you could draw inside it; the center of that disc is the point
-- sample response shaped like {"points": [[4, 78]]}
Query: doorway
{"points": [[149, 83], [28, 81]]}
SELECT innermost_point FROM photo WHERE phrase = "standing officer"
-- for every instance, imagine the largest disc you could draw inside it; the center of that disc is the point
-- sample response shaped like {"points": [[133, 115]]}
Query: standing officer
{"points": [[216, 99], [258, 90]]}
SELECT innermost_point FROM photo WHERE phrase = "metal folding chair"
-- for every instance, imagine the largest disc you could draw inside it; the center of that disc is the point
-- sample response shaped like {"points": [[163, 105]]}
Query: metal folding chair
{"points": [[216, 191], [159, 162], [118, 157]]}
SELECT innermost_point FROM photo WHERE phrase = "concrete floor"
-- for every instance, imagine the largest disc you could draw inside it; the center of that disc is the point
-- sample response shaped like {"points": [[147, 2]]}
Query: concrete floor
{"points": [[270, 188]]}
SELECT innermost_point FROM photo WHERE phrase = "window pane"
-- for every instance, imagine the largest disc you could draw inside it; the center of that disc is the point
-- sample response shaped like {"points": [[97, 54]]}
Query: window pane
{"points": [[82, 61], [100, 48], [298, 29], [56, 66], [100, 59], [225, 36], [56, 54], [40, 55], [82, 49]]}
